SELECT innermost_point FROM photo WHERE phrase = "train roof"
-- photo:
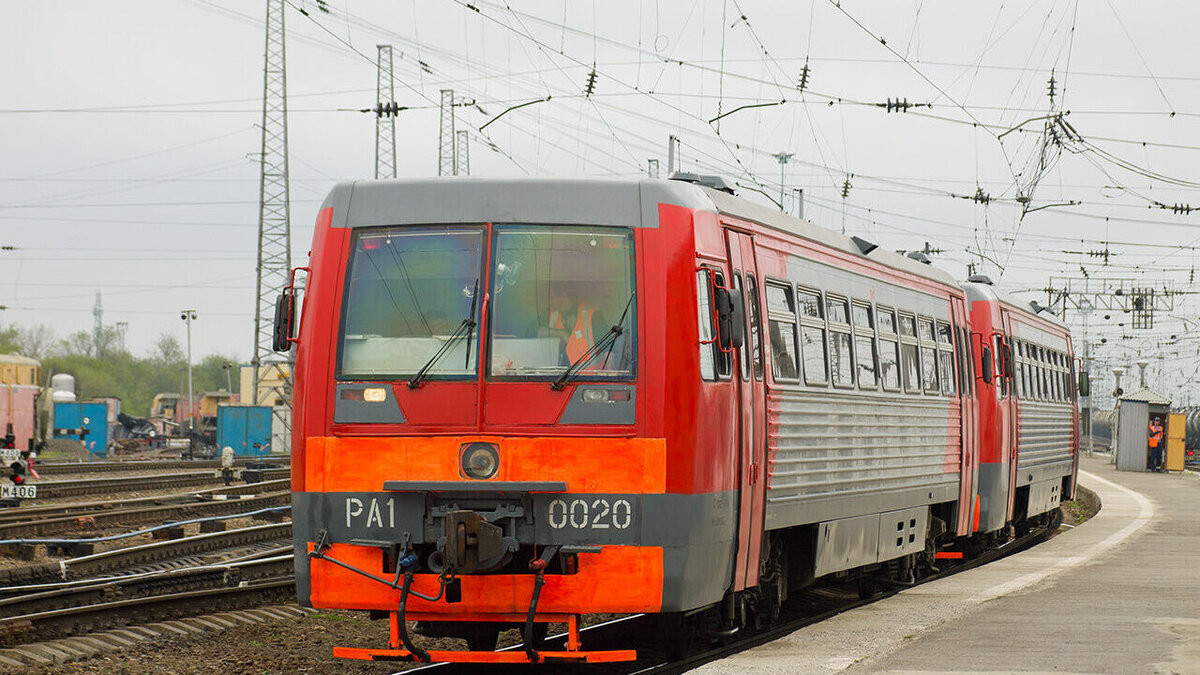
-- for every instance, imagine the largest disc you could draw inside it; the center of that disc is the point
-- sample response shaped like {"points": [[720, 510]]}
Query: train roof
{"points": [[626, 202], [777, 220], [17, 359], [985, 291]]}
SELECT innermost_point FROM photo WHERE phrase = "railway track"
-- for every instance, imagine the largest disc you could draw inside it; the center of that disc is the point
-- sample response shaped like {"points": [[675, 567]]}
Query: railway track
{"points": [[113, 612], [647, 633], [35, 521], [92, 486], [81, 567], [61, 468], [274, 562]]}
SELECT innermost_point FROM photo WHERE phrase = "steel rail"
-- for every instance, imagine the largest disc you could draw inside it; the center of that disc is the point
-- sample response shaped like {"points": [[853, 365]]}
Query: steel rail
{"points": [[81, 620], [94, 591], [60, 467], [86, 486], [150, 513]]}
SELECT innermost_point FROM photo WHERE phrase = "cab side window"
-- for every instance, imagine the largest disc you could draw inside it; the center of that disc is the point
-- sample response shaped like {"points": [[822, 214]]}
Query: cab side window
{"points": [[714, 364]]}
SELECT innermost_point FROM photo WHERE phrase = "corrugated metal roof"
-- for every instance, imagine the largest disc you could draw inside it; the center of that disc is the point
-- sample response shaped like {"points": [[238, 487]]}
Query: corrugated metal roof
{"points": [[1148, 395]]}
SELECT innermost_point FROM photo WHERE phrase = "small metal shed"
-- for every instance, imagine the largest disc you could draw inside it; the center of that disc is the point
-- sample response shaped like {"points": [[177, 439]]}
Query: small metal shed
{"points": [[1134, 412], [245, 428], [87, 422]]}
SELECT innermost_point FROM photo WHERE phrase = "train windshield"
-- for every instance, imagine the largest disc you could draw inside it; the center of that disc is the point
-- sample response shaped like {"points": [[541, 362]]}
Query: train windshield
{"points": [[557, 292], [412, 294]]}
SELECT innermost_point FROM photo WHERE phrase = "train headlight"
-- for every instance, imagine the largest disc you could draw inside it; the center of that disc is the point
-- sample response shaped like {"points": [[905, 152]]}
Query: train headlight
{"points": [[480, 460], [374, 394]]}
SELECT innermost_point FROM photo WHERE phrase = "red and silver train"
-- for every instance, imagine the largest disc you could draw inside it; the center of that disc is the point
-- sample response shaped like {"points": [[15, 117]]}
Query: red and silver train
{"points": [[522, 401]]}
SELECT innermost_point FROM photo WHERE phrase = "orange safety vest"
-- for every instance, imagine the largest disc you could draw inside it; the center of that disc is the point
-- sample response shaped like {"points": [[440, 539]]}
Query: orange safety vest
{"points": [[1155, 436], [579, 340]]}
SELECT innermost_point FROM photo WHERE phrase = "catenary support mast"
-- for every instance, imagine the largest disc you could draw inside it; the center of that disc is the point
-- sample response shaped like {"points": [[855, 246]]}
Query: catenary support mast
{"points": [[385, 120], [272, 372]]}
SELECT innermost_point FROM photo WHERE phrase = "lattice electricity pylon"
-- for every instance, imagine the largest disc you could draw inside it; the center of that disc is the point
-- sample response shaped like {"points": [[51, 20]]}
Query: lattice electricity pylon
{"points": [[462, 154], [447, 159], [272, 371], [385, 124]]}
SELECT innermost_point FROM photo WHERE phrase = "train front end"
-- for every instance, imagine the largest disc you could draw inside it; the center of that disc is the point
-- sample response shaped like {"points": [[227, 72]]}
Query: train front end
{"points": [[472, 448]]}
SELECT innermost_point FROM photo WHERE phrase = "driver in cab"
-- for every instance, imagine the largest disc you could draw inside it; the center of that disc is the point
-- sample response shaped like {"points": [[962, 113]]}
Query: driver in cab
{"points": [[572, 320]]}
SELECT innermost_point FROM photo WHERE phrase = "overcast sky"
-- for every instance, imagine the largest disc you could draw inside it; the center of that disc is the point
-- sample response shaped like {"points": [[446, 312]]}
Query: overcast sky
{"points": [[130, 131]]}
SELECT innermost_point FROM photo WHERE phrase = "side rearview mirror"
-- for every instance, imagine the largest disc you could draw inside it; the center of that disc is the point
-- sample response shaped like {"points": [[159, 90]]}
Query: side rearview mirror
{"points": [[1084, 385], [281, 341], [730, 334], [986, 362]]}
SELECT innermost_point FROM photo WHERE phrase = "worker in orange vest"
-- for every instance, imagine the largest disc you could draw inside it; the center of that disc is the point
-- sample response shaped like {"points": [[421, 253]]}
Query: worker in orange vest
{"points": [[1156, 443], [568, 310]]}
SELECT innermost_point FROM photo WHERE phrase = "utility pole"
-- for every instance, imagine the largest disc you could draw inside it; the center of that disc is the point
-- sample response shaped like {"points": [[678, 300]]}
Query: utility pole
{"points": [[782, 158], [189, 315], [271, 371], [385, 124], [98, 327], [462, 157], [799, 200], [672, 146], [652, 168], [447, 159], [122, 329]]}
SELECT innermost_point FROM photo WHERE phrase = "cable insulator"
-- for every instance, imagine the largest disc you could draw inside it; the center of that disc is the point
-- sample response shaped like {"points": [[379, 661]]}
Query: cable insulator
{"points": [[590, 87], [846, 188], [804, 72]]}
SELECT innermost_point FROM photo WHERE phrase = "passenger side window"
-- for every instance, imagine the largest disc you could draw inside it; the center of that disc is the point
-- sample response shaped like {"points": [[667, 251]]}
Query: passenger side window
{"points": [[841, 358], [781, 327], [889, 349], [929, 361], [812, 337], [910, 359], [864, 345], [945, 358]]}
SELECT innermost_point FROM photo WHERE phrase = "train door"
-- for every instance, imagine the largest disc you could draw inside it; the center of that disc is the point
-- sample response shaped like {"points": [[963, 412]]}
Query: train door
{"points": [[969, 467], [1007, 403], [752, 416]]}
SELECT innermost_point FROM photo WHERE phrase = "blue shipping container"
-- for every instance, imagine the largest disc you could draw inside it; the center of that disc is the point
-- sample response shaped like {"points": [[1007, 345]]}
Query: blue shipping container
{"points": [[92, 417], [245, 428]]}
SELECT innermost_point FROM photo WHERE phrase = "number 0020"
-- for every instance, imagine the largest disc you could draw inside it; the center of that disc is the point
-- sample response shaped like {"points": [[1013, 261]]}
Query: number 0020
{"points": [[595, 514]]}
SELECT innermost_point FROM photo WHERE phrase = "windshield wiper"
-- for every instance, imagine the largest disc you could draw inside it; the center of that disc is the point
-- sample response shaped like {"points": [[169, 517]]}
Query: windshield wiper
{"points": [[465, 329], [605, 343]]}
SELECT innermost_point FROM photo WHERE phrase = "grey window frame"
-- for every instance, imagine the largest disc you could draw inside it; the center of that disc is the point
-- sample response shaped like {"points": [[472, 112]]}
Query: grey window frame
{"points": [[911, 341], [787, 318], [868, 332], [844, 330], [932, 346], [813, 323]]}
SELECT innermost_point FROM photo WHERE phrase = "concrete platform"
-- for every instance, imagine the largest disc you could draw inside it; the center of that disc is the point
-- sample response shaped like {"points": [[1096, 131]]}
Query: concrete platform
{"points": [[1118, 594]]}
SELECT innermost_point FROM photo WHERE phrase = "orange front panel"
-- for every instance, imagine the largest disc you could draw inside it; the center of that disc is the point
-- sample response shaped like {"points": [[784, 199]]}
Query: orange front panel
{"points": [[618, 579], [588, 465]]}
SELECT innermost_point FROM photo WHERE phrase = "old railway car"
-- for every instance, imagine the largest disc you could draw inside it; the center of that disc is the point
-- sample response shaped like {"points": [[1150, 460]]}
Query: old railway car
{"points": [[521, 401]]}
